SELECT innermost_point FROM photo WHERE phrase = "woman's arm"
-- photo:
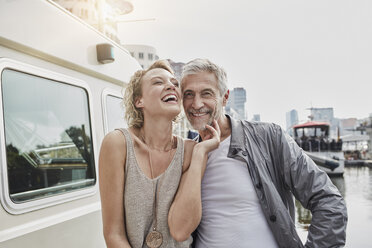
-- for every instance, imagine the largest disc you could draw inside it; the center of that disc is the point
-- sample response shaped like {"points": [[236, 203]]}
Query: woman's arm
{"points": [[111, 183], [186, 210]]}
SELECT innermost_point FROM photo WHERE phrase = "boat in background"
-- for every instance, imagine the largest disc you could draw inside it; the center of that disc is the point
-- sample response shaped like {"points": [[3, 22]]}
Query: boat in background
{"points": [[313, 138]]}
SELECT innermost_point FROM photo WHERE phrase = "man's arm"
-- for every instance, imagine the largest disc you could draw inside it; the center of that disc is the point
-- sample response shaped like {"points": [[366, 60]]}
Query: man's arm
{"points": [[313, 188]]}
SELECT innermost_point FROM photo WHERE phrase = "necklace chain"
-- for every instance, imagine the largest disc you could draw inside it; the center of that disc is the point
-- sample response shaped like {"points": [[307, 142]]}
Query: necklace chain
{"points": [[158, 240], [156, 149], [149, 152]]}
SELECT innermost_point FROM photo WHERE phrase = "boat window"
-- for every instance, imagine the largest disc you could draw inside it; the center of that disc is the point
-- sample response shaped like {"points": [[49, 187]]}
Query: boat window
{"points": [[310, 131], [114, 113], [48, 137], [299, 132]]}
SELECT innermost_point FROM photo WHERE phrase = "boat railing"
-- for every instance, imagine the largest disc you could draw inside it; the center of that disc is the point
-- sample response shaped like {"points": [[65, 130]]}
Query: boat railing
{"points": [[316, 144]]}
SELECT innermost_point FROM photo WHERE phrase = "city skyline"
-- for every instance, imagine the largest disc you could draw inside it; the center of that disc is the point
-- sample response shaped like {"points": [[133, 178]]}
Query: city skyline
{"points": [[236, 103], [286, 54]]}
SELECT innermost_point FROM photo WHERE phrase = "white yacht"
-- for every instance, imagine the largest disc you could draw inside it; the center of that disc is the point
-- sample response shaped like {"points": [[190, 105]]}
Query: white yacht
{"points": [[60, 93]]}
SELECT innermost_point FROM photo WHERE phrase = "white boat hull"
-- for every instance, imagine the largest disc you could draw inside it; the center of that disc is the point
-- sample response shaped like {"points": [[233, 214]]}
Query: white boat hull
{"points": [[333, 163], [57, 231], [39, 40]]}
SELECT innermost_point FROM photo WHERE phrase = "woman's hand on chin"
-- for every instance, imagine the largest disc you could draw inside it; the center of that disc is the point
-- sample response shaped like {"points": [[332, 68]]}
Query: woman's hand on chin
{"points": [[211, 138]]}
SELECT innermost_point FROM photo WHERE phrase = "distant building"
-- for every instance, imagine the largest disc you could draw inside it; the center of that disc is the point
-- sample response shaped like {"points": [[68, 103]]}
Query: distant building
{"points": [[366, 128], [145, 55], [348, 126], [236, 102], [322, 114], [369, 133], [100, 14], [177, 68], [256, 117], [291, 118], [326, 115], [230, 111]]}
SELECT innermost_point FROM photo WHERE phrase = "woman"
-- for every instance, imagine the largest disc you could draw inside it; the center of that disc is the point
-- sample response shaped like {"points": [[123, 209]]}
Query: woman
{"points": [[146, 174]]}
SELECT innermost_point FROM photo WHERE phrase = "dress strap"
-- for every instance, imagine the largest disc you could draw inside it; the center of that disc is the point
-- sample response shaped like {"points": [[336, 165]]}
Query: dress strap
{"points": [[130, 149]]}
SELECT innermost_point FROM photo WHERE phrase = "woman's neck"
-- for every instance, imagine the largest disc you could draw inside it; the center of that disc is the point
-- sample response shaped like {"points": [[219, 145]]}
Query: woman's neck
{"points": [[157, 134]]}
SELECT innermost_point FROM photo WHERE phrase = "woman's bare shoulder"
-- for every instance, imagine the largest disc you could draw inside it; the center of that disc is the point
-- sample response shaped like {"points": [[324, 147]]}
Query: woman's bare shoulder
{"points": [[113, 146], [114, 138]]}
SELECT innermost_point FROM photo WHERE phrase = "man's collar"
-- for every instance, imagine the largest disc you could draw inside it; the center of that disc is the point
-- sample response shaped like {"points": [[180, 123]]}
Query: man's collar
{"points": [[237, 132]]}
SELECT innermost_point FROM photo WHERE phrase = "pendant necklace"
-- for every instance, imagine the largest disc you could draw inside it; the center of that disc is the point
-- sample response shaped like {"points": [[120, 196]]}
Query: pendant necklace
{"points": [[154, 238]]}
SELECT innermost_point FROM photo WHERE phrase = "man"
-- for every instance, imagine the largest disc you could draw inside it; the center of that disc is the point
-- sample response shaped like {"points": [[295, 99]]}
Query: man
{"points": [[250, 180]]}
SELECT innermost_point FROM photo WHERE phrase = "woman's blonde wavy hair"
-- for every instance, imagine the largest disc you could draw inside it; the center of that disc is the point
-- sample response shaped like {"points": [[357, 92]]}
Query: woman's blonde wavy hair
{"points": [[133, 91]]}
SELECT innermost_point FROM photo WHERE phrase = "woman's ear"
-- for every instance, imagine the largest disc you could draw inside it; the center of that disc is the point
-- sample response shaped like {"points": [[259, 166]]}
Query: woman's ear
{"points": [[138, 103]]}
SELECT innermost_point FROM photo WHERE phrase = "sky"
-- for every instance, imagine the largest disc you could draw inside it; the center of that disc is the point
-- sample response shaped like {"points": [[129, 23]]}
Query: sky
{"points": [[287, 54]]}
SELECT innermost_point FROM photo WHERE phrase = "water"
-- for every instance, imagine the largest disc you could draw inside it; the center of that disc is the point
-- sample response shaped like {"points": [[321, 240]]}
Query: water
{"points": [[356, 188]]}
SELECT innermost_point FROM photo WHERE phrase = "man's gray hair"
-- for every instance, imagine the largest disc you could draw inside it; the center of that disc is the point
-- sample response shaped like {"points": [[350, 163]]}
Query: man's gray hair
{"points": [[204, 65]]}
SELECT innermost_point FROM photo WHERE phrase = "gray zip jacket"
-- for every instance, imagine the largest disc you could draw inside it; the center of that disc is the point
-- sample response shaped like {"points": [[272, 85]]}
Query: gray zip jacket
{"points": [[280, 170]]}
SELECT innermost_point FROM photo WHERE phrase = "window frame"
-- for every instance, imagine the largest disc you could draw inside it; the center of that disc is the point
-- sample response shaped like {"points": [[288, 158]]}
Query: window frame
{"points": [[31, 205], [108, 92]]}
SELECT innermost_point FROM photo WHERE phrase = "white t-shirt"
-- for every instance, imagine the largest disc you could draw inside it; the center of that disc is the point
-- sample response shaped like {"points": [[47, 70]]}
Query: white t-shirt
{"points": [[232, 215]]}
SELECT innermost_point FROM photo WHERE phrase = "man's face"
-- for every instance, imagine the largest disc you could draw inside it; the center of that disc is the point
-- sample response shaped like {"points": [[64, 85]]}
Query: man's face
{"points": [[202, 101]]}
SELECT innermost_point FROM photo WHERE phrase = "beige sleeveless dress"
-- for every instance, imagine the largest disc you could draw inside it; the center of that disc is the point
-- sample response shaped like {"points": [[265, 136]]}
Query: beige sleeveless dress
{"points": [[139, 198]]}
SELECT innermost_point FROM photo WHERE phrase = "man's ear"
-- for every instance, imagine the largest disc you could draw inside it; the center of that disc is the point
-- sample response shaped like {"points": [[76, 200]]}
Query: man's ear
{"points": [[226, 97]]}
